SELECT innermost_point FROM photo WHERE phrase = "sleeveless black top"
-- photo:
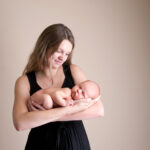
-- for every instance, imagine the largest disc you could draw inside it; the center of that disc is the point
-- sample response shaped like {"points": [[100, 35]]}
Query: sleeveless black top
{"points": [[60, 135]]}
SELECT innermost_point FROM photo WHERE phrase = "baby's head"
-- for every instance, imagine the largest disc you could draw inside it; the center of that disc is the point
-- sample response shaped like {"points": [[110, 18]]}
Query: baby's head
{"points": [[86, 89]]}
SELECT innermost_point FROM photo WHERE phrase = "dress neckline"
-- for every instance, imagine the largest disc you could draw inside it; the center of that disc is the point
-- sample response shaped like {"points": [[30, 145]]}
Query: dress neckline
{"points": [[61, 85]]}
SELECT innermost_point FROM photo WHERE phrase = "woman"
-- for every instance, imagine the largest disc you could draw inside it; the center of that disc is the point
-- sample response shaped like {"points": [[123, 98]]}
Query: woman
{"points": [[49, 66]]}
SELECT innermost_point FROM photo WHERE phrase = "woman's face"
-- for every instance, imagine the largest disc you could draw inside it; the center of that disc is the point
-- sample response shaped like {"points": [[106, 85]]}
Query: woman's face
{"points": [[61, 55]]}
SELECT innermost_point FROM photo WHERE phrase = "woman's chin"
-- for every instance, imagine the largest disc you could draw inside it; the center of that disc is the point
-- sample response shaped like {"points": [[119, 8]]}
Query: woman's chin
{"points": [[56, 66]]}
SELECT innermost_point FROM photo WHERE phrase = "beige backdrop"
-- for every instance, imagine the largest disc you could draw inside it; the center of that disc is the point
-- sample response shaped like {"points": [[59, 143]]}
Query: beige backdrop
{"points": [[113, 49]]}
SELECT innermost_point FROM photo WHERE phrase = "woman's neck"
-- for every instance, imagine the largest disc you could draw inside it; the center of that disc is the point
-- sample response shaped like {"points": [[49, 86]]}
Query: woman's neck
{"points": [[50, 77], [50, 72]]}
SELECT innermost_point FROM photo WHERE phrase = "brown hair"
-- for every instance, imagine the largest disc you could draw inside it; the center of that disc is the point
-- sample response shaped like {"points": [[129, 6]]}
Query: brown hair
{"points": [[48, 41]]}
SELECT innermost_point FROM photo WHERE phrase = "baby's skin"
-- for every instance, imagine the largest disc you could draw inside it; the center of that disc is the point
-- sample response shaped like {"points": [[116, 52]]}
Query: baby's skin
{"points": [[56, 97]]}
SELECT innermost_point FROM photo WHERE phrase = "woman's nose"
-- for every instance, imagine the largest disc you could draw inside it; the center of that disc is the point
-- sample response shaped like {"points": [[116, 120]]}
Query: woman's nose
{"points": [[61, 57]]}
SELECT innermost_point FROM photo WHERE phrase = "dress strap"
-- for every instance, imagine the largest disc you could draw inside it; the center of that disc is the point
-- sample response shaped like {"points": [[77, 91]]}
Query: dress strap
{"points": [[68, 76], [32, 81]]}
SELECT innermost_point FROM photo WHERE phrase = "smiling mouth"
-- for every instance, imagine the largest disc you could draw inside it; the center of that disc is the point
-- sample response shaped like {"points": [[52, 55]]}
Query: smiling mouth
{"points": [[58, 62]]}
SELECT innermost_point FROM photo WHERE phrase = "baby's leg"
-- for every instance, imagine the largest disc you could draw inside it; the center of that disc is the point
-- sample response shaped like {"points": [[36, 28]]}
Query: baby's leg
{"points": [[47, 101], [43, 99]]}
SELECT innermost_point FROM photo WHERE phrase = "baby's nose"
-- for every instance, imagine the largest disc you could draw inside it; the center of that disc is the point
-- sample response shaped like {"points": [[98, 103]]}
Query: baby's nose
{"points": [[79, 91]]}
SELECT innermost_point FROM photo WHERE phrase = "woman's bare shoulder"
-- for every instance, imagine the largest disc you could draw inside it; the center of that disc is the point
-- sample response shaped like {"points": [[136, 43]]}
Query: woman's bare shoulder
{"points": [[22, 81], [75, 68], [77, 74], [22, 92]]}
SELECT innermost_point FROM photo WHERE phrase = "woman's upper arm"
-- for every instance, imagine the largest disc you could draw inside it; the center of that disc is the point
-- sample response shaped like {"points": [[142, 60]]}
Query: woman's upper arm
{"points": [[21, 96], [77, 74]]}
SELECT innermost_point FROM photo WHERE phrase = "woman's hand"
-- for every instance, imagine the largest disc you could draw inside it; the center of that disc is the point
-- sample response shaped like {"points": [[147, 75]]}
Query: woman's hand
{"points": [[80, 105], [32, 106]]}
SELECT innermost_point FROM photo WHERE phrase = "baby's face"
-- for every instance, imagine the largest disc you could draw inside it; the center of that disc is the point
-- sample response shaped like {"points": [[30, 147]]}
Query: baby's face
{"points": [[80, 91]]}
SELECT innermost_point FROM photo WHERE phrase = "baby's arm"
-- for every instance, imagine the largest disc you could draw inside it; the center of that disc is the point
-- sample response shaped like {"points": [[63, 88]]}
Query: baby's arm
{"points": [[42, 99]]}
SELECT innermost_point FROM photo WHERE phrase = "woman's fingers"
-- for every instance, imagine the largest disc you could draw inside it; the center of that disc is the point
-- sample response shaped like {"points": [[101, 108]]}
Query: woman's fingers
{"points": [[31, 107], [80, 105], [83, 100], [37, 106]]}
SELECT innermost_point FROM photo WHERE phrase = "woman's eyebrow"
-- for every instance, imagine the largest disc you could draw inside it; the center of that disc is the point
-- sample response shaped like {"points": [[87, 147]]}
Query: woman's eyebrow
{"points": [[60, 49], [64, 50]]}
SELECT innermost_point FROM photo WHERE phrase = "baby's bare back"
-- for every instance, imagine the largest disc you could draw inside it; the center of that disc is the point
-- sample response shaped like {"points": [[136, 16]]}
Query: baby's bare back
{"points": [[55, 97]]}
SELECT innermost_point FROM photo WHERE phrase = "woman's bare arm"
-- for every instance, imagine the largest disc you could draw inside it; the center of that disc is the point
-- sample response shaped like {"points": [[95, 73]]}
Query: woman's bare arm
{"points": [[23, 119], [96, 110]]}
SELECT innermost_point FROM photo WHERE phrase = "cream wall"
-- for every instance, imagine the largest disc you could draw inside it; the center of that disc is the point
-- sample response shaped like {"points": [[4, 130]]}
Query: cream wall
{"points": [[113, 49]]}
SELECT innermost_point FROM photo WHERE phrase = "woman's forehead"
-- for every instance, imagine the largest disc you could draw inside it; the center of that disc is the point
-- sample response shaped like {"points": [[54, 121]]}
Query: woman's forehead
{"points": [[65, 45]]}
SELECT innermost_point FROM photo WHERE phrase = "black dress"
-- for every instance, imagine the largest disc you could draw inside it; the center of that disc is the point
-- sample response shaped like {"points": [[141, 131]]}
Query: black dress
{"points": [[60, 135]]}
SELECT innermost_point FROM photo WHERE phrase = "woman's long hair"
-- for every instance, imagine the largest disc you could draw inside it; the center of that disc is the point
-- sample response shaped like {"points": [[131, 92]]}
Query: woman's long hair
{"points": [[48, 41]]}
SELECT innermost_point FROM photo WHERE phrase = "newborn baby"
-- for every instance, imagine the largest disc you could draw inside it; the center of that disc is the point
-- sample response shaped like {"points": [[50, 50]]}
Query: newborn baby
{"points": [[55, 97]]}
